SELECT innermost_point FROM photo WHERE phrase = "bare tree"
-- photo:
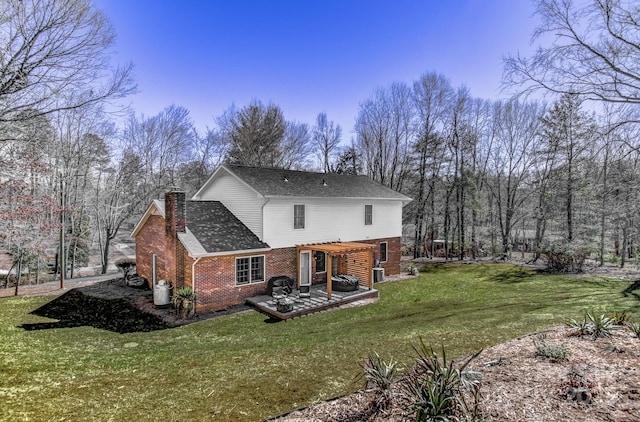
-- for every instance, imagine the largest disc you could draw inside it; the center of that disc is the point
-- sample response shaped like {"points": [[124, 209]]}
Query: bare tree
{"points": [[120, 193], [594, 51], [383, 128], [432, 95], [54, 55], [28, 207], [295, 147], [326, 140], [162, 143], [568, 130], [516, 127]]}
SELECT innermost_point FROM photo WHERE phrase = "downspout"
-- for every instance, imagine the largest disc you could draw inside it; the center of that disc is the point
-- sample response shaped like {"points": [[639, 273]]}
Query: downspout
{"points": [[262, 210], [153, 272], [193, 281]]}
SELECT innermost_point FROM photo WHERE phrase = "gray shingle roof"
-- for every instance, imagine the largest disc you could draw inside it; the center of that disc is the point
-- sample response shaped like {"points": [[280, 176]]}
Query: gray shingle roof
{"points": [[279, 182], [218, 230]]}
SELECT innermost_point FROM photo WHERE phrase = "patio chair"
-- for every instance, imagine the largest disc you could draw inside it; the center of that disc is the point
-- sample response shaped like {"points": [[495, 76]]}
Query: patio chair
{"points": [[305, 291]]}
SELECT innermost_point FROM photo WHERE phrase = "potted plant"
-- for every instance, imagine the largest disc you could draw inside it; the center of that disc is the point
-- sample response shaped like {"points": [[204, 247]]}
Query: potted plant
{"points": [[184, 302]]}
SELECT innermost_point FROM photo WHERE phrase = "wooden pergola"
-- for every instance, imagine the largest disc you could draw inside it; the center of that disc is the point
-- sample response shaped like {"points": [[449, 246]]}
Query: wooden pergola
{"points": [[355, 258]]}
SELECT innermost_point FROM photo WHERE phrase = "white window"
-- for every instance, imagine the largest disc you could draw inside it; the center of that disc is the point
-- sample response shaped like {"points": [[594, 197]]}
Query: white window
{"points": [[298, 216], [368, 215], [383, 251], [249, 270]]}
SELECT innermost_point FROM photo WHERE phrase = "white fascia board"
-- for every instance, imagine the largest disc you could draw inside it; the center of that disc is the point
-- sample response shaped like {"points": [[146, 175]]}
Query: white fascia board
{"points": [[225, 253], [154, 205], [215, 174]]}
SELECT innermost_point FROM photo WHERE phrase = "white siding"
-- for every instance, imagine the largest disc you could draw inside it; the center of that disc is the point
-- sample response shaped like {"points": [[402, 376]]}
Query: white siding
{"points": [[329, 220], [241, 200]]}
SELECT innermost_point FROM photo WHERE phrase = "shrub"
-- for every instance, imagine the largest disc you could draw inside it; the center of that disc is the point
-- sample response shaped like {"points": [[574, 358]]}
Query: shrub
{"points": [[555, 353], [126, 265], [564, 257], [379, 376], [439, 390]]}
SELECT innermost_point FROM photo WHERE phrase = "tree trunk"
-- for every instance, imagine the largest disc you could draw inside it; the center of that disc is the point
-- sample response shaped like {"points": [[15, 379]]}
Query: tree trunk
{"points": [[474, 242], [18, 276], [105, 253], [623, 254]]}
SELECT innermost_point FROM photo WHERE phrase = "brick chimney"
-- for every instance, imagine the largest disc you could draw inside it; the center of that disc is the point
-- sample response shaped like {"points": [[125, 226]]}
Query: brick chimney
{"points": [[175, 208]]}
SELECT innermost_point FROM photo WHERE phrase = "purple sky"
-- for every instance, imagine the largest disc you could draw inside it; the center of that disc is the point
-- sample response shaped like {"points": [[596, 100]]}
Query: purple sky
{"points": [[309, 56]]}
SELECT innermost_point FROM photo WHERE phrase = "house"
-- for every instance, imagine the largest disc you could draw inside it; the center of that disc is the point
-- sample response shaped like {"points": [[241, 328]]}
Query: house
{"points": [[248, 224]]}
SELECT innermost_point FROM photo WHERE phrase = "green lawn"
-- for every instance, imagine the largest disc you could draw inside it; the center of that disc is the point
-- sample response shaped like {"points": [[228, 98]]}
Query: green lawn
{"points": [[238, 367]]}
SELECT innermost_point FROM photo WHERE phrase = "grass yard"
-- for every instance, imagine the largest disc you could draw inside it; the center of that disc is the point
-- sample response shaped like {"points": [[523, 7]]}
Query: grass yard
{"points": [[238, 367]]}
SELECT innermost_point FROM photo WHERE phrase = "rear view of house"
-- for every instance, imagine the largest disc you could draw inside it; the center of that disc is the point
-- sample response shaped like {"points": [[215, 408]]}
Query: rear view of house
{"points": [[247, 225]]}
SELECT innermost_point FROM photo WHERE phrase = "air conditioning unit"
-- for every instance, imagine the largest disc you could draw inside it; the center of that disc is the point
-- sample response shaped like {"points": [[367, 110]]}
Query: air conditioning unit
{"points": [[378, 274]]}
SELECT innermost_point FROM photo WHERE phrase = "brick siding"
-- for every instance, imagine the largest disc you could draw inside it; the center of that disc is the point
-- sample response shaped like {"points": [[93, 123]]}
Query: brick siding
{"points": [[215, 276], [150, 240], [394, 253]]}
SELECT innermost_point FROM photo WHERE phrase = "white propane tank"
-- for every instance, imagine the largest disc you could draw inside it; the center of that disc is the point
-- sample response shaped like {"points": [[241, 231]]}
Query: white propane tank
{"points": [[162, 293]]}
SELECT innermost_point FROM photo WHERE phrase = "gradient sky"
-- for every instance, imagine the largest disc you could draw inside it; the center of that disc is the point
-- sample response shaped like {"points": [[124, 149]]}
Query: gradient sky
{"points": [[309, 56]]}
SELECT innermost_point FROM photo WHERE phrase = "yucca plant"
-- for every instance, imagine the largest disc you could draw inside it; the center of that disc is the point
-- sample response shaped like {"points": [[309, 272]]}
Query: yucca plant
{"points": [[184, 302], [600, 325], [596, 325], [634, 327], [620, 317], [580, 328], [379, 376], [437, 388]]}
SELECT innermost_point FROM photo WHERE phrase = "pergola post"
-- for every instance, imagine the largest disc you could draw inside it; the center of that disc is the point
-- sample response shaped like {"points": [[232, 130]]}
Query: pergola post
{"points": [[328, 264]]}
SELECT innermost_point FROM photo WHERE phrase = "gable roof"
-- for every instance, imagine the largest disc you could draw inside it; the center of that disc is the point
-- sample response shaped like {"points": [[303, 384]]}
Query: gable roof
{"points": [[275, 182], [218, 230], [211, 229]]}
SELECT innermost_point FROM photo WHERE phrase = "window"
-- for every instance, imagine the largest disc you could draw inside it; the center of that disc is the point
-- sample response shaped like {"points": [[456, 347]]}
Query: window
{"points": [[321, 262], [383, 252], [368, 215], [298, 216], [249, 270]]}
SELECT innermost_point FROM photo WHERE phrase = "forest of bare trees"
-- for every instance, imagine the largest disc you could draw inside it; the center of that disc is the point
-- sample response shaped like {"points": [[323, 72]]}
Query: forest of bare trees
{"points": [[555, 166]]}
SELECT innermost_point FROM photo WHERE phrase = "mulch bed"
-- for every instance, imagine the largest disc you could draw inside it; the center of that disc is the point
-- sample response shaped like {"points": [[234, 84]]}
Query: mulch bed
{"points": [[519, 385], [113, 306]]}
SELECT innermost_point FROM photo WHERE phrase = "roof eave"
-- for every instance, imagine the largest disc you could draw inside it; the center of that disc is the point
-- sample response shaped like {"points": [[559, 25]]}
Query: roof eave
{"points": [[198, 195], [405, 199], [227, 253]]}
